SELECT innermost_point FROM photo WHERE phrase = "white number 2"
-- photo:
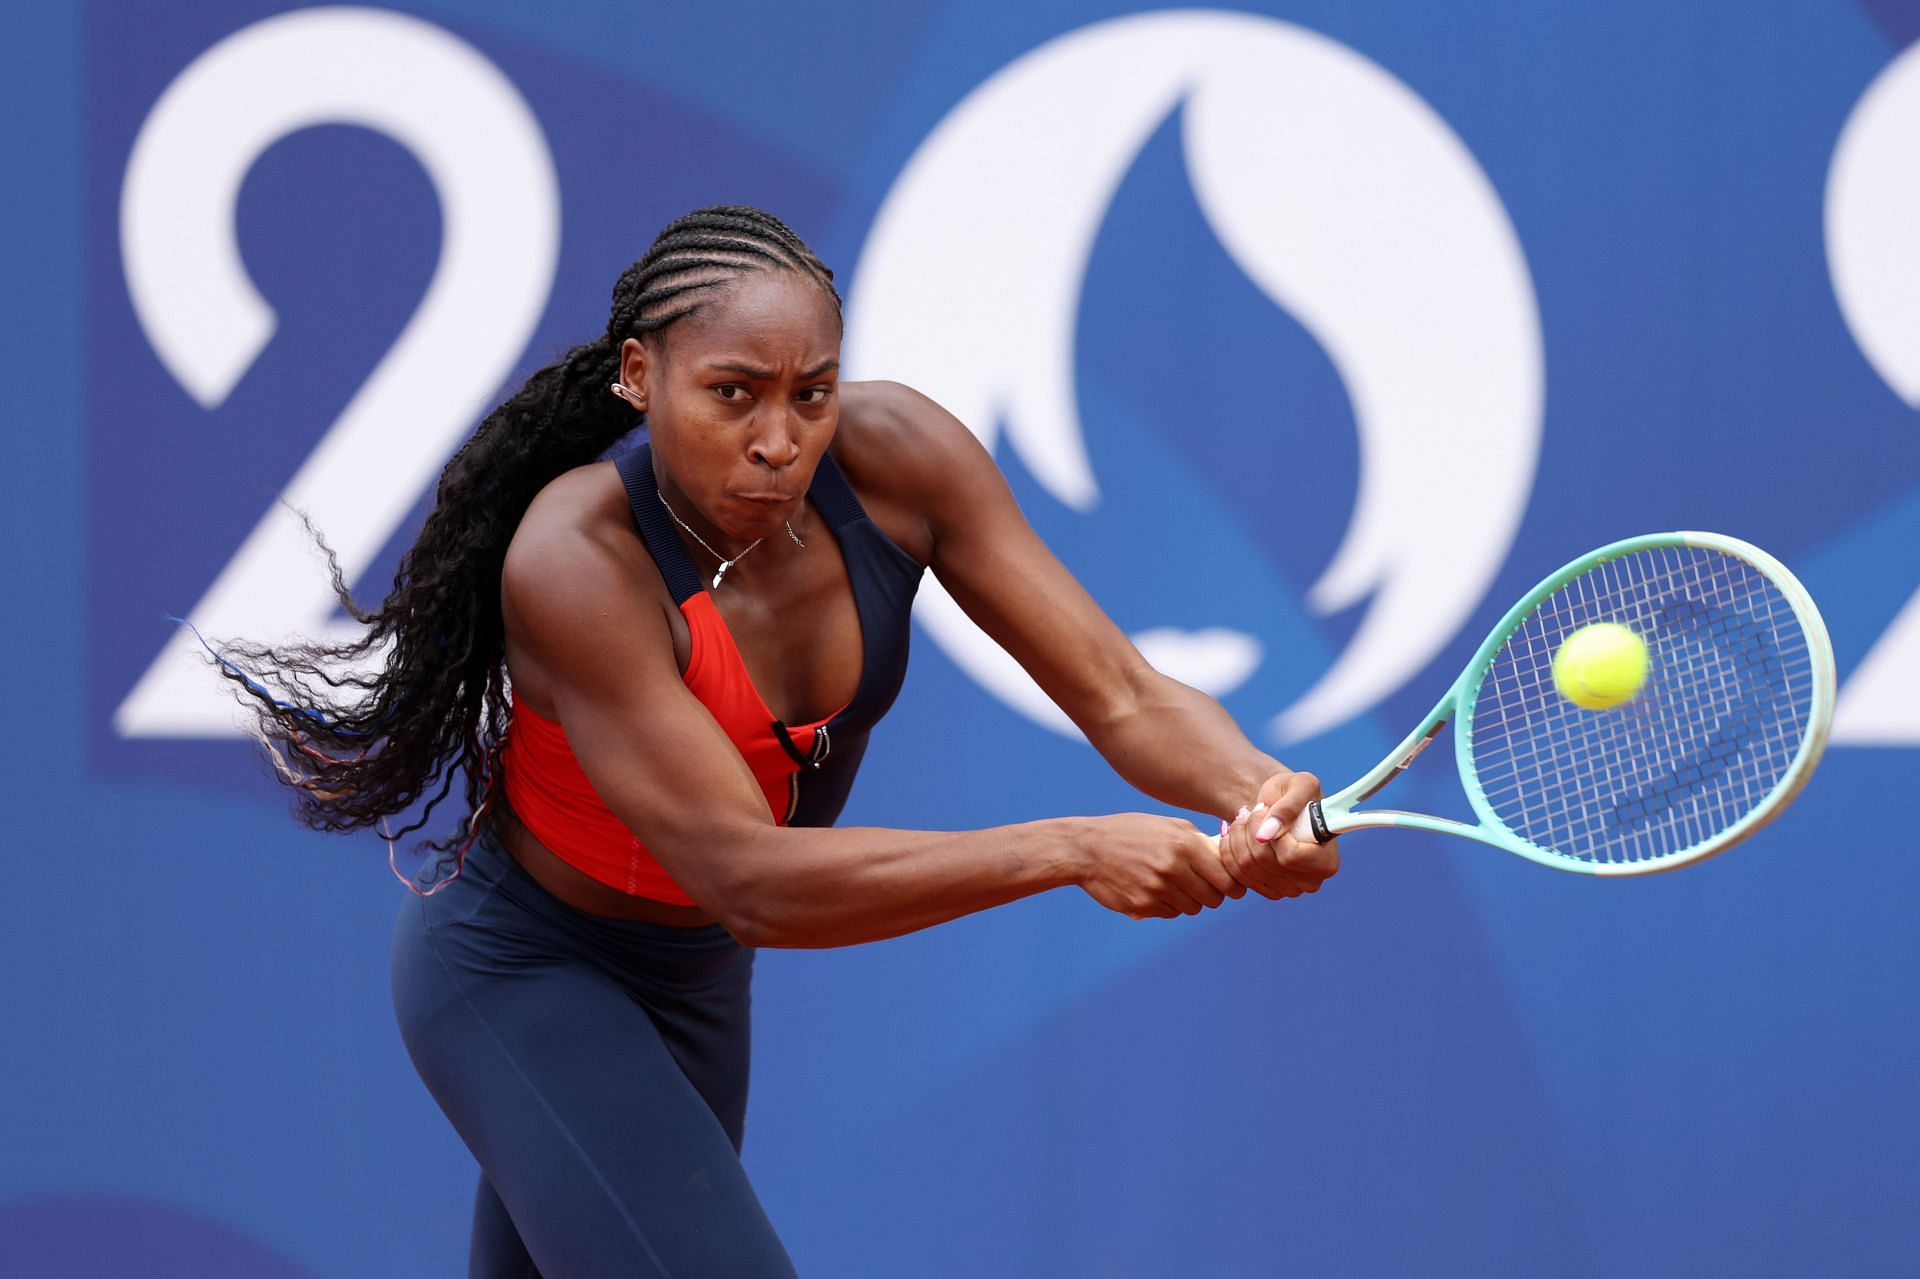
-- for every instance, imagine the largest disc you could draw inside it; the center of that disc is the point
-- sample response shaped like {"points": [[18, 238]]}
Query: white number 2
{"points": [[1873, 252], [487, 159]]}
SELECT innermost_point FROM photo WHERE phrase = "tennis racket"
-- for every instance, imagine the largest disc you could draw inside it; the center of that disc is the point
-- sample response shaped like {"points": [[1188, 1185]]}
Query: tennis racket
{"points": [[1722, 735]]}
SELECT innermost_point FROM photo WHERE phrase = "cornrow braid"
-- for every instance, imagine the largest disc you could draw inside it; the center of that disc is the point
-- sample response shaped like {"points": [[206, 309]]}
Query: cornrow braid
{"points": [[359, 748], [701, 251]]}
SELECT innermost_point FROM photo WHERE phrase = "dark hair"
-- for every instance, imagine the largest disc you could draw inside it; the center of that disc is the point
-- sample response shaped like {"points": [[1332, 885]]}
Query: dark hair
{"points": [[361, 747]]}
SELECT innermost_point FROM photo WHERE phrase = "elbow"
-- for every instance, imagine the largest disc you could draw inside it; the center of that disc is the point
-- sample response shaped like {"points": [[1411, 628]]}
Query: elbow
{"points": [[735, 888], [765, 897], [754, 908], [787, 914], [756, 921], [744, 919]]}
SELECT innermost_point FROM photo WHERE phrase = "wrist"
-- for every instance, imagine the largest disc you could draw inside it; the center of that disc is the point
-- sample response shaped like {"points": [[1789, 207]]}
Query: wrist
{"points": [[1068, 843], [1242, 787]]}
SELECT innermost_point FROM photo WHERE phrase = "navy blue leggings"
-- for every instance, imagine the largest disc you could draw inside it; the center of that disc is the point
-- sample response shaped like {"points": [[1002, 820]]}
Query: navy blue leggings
{"points": [[596, 1068]]}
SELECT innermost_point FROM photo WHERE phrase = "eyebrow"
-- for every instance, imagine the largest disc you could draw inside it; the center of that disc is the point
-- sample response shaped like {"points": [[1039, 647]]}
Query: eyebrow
{"points": [[747, 370]]}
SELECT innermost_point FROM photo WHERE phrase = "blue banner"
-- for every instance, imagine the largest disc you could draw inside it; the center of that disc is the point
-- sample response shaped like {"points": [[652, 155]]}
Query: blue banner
{"points": [[1309, 335]]}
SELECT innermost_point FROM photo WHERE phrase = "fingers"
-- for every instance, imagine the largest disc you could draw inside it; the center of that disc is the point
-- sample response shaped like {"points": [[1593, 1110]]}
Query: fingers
{"points": [[1183, 876], [1159, 910], [1308, 863], [1211, 872], [1172, 900], [1195, 886], [1254, 862], [1238, 889], [1286, 796], [1194, 880], [1236, 842], [1163, 868], [1261, 849]]}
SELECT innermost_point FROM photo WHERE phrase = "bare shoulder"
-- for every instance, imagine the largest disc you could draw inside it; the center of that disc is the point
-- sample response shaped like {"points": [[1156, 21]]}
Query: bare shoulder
{"points": [[577, 522], [912, 462], [895, 426], [575, 567]]}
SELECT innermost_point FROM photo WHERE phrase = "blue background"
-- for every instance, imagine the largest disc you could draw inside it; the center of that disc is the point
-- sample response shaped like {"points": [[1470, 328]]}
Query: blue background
{"points": [[1450, 1062]]}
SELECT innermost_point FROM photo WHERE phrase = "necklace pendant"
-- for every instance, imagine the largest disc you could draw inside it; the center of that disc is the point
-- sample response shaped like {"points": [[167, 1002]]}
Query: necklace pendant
{"points": [[717, 576]]}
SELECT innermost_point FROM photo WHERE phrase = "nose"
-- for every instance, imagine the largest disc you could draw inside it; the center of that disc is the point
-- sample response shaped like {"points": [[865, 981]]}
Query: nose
{"points": [[773, 443]]}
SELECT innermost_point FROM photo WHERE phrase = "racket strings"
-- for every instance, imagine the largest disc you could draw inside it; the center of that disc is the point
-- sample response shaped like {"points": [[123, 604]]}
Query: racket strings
{"points": [[1716, 727]]}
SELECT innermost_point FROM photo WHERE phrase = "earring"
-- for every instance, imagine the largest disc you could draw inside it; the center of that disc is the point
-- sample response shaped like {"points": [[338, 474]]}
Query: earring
{"points": [[620, 389]]}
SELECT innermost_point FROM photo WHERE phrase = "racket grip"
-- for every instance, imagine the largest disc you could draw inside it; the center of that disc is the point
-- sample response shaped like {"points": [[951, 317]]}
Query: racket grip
{"points": [[1310, 827]]}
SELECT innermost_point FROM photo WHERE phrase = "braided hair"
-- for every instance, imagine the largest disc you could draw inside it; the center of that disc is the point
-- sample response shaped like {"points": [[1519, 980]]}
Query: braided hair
{"points": [[359, 747]]}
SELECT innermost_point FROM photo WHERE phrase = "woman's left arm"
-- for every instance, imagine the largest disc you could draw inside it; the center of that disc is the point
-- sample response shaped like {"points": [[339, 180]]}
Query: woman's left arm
{"points": [[1166, 739]]}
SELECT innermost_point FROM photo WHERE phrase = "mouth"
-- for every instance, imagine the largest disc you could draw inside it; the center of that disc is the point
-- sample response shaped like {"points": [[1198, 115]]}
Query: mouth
{"points": [[765, 499]]}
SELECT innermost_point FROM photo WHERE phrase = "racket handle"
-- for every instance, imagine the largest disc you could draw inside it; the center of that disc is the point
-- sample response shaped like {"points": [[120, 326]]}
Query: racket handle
{"points": [[1311, 827]]}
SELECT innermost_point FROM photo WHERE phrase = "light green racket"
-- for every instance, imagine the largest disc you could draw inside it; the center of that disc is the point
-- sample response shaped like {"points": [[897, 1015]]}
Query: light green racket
{"points": [[1723, 733]]}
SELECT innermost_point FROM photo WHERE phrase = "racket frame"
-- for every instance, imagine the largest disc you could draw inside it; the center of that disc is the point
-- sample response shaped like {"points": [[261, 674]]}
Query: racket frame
{"points": [[1335, 815]]}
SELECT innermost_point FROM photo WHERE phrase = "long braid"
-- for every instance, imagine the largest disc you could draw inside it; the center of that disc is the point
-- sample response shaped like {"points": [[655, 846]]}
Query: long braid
{"points": [[439, 706]]}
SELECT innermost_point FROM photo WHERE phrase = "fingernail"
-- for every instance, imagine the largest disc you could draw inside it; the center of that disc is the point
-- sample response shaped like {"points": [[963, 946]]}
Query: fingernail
{"points": [[1223, 824], [1243, 814], [1268, 829], [1259, 808]]}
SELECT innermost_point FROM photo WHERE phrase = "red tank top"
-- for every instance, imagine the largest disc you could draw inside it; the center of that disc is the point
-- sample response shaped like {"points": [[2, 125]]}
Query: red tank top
{"points": [[552, 797], [805, 771]]}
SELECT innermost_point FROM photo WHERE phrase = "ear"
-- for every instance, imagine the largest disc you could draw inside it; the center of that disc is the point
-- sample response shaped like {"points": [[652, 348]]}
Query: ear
{"points": [[636, 364]]}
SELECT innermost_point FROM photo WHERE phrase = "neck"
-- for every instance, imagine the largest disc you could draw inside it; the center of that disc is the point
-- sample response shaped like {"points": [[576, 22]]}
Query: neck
{"points": [[724, 561]]}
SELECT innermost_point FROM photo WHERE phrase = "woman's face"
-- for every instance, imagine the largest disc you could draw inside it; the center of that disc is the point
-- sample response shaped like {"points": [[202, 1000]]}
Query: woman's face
{"points": [[741, 399]]}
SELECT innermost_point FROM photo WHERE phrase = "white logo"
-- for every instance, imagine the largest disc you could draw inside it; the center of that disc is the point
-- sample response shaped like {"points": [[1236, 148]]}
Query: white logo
{"points": [[499, 199], [1873, 254], [1343, 196]]}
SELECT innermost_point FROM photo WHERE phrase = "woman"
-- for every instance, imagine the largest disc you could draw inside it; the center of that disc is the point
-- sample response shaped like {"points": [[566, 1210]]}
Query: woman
{"points": [[696, 639]]}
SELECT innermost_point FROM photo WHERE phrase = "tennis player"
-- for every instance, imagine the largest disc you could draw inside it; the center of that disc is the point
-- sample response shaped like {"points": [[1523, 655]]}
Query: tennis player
{"points": [[656, 677]]}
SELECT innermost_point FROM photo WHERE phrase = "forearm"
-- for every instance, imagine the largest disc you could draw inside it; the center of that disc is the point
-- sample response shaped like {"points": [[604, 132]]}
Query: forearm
{"points": [[802, 887], [1181, 747]]}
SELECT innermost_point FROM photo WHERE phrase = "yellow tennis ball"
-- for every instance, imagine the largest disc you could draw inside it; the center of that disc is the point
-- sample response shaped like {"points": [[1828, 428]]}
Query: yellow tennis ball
{"points": [[1601, 665]]}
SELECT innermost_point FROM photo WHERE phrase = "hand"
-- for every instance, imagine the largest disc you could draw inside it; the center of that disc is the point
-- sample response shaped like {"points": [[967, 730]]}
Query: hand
{"points": [[1259, 848], [1142, 865]]}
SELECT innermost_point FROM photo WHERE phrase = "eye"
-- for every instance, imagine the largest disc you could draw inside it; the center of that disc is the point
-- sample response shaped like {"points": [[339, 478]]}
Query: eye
{"points": [[815, 394], [732, 392]]}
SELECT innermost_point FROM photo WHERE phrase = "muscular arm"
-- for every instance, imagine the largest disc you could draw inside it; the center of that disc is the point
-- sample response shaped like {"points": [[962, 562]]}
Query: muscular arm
{"points": [[1166, 739], [1175, 743], [588, 609]]}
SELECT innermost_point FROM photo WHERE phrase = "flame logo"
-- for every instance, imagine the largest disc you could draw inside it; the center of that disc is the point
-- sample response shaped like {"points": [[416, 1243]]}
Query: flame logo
{"points": [[1873, 204], [1343, 196]]}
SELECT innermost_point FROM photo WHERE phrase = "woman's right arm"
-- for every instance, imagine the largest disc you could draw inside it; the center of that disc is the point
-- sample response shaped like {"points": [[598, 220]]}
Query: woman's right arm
{"points": [[670, 774]]}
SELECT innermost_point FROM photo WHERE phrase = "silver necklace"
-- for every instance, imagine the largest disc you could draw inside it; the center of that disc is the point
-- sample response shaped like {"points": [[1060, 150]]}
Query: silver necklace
{"points": [[725, 563]]}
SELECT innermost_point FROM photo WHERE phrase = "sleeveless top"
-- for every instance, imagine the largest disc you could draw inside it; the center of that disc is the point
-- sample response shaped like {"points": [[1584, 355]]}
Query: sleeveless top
{"points": [[805, 770]]}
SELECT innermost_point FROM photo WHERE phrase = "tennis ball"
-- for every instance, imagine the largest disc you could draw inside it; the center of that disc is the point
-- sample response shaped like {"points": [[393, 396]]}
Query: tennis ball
{"points": [[1601, 665]]}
